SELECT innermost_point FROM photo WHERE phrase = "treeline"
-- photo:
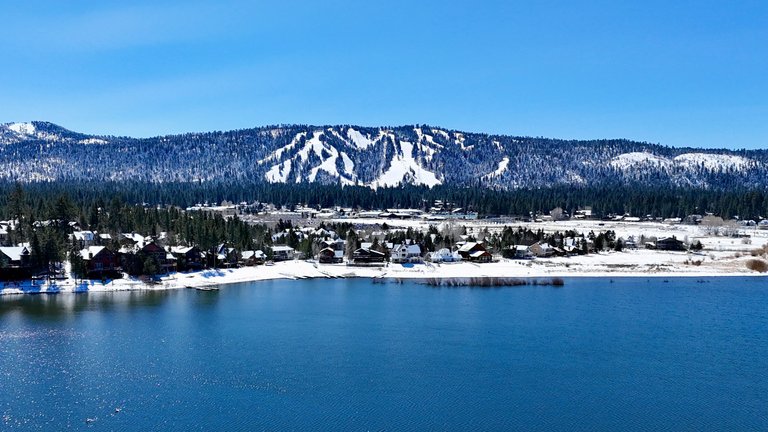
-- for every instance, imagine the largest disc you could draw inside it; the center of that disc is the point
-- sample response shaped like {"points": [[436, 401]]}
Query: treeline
{"points": [[604, 200], [46, 217]]}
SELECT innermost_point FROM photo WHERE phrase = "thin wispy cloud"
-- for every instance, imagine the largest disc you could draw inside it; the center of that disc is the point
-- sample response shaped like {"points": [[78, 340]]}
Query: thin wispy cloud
{"points": [[115, 28]]}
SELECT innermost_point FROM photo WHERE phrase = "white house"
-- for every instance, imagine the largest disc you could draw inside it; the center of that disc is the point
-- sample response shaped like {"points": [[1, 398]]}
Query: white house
{"points": [[403, 253], [444, 255]]}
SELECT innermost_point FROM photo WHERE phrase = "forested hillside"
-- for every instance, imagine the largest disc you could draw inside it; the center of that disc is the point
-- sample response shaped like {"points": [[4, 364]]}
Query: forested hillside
{"points": [[370, 157]]}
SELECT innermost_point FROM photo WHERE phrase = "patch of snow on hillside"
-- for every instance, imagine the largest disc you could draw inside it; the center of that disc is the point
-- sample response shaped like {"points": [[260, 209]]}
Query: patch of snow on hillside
{"points": [[503, 164], [313, 144], [441, 132], [360, 140], [279, 173], [328, 165], [628, 160], [279, 152], [403, 168], [349, 166], [714, 162], [575, 178], [431, 140], [459, 139], [96, 141], [23, 128]]}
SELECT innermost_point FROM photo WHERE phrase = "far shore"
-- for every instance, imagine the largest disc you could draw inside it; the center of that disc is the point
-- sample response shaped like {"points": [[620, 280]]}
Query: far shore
{"points": [[637, 264]]}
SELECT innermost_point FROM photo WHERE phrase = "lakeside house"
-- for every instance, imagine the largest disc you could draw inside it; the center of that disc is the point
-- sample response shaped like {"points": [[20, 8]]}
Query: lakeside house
{"points": [[188, 258], [100, 262], [134, 257], [406, 253], [252, 257], [367, 256], [164, 259], [226, 256], [330, 256], [542, 250], [474, 252], [444, 255], [283, 253], [15, 263]]}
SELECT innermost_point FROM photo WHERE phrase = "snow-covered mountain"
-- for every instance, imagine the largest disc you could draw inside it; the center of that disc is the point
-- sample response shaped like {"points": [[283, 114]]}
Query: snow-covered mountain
{"points": [[368, 156]]}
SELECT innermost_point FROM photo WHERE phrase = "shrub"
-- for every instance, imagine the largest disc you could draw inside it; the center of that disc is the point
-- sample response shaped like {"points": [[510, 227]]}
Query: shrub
{"points": [[757, 265]]}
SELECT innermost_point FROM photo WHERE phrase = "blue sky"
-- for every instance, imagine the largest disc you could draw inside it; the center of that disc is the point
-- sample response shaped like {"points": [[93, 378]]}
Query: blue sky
{"points": [[677, 73]]}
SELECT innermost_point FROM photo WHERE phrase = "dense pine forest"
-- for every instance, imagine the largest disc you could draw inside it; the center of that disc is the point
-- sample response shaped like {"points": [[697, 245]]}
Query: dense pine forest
{"points": [[40, 198]]}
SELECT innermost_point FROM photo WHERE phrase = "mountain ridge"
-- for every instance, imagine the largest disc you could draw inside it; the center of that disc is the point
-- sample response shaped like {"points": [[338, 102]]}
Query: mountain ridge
{"points": [[368, 156]]}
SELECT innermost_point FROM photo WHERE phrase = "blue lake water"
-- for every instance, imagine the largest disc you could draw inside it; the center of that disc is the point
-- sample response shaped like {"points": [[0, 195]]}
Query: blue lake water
{"points": [[596, 354]]}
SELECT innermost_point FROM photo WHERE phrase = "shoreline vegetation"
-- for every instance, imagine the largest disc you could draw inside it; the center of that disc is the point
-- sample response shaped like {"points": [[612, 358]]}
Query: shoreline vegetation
{"points": [[492, 282]]}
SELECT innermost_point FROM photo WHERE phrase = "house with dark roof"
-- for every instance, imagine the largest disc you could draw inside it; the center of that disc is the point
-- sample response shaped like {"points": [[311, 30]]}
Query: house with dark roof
{"points": [[15, 263], [670, 244], [329, 255], [100, 262], [474, 252], [188, 258], [367, 256]]}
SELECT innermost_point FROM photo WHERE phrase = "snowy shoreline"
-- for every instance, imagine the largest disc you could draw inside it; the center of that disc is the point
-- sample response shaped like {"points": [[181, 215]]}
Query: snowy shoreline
{"points": [[636, 264]]}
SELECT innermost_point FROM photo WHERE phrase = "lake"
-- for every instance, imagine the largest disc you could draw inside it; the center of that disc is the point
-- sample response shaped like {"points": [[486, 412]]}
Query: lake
{"points": [[596, 354]]}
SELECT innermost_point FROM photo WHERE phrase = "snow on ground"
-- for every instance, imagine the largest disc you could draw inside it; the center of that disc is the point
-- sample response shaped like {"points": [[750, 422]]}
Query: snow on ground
{"points": [[711, 162], [92, 141], [426, 144], [441, 132], [313, 144], [279, 152], [629, 160], [638, 263], [349, 166], [714, 162], [404, 165], [22, 128], [279, 173], [503, 164], [360, 140]]}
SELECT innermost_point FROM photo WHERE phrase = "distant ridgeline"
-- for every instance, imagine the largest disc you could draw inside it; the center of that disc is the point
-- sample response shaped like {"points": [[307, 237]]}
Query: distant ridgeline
{"points": [[384, 167]]}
